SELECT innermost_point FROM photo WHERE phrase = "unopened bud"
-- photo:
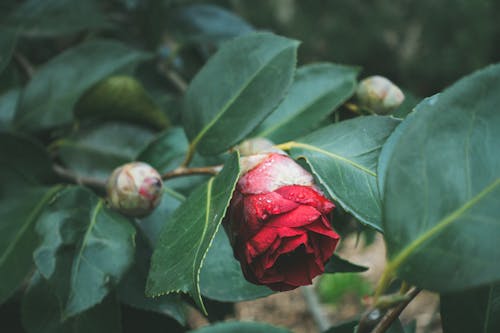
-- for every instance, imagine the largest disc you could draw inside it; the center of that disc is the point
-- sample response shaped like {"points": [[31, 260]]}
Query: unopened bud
{"points": [[379, 94], [135, 189]]}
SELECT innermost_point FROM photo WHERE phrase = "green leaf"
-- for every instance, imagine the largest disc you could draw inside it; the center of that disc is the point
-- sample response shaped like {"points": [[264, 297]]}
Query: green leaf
{"points": [[475, 310], [201, 23], [186, 238], [41, 313], [122, 98], [442, 189], [85, 250], [8, 41], [347, 327], [50, 96], [221, 278], [97, 151], [241, 327], [19, 212], [237, 88], [337, 264], [343, 157], [57, 17], [8, 104], [131, 288], [317, 91], [25, 163]]}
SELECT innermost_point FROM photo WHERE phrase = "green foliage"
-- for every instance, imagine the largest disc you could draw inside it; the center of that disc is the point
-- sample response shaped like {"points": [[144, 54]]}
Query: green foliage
{"points": [[243, 327], [332, 288]]}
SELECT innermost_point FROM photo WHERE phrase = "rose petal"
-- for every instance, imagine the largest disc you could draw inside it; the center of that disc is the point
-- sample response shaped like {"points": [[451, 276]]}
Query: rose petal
{"points": [[306, 195], [264, 205], [322, 226], [287, 245], [299, 217]]}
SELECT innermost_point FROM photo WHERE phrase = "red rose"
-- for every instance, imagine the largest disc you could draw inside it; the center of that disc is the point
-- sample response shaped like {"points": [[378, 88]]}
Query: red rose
{"points": [[277, 223]]}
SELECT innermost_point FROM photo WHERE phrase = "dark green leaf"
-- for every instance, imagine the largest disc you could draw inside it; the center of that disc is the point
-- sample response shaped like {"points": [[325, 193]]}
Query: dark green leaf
{"points": [[186, 237], [317, 91], [238, 87], [41, 313], [338, 265], [120, 98], [208, 23], [85, 249], [475, 310], [348, 327], [32, 167], [8, 41], [343, 157], [442, 189], [19, 212], [8, 104], [131, 288], [241, 327], [70, 74], [221, 278], [57, 17], [97, 151]]}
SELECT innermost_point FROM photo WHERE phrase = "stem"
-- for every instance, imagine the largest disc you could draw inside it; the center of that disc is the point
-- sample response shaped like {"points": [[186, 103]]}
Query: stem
{"points": [[189, 155], [394, 313], [80, 180], [25, 64], [315, 308], [384, 281], [286, 146], [175, 78], [183, 171]]}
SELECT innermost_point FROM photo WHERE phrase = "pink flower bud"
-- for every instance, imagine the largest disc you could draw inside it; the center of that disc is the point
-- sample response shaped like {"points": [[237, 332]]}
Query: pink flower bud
{"points": [[379, 95], [278, 223], [135, 189]]}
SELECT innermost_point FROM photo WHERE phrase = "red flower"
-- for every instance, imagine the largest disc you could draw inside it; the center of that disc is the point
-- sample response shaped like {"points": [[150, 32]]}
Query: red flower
{"points": [[277, 223]]}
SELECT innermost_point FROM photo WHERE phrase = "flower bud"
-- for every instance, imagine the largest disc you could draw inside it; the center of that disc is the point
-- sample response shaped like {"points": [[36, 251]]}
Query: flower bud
{"points": [[379, 95], [135, 189]]}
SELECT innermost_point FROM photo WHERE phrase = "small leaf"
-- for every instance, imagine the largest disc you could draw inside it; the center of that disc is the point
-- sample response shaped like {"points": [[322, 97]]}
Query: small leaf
{"points": [[237, 88], [186, 238], [338, 265], [98, 150], [19, 212], [442, 189], [317, 91], [343, 157], [57, 17], [41, 313], [202, 23], [70, 74], [475, 310], [85, 249], [221, 278], [120, 98], [8, 41], [241, 327]]}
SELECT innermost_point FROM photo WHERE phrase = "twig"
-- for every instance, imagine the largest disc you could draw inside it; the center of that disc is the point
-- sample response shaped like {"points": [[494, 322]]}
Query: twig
{"points": [[314, 307], [183, 171], [394, 313], [80, 180], [25, 64], [175, 78]]}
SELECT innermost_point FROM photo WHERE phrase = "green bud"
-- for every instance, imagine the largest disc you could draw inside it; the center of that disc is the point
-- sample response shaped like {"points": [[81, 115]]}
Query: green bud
{"points": [[135, 189], [379, 95]]}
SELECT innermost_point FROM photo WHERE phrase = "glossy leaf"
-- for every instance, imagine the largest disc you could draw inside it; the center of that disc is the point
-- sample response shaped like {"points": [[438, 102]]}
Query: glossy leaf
{"points": [[8, 104], [237, 88], [241, 327], [186, 238], [41, 313], [8, 41], [475, 310], [344, 157], [317, 91], [337, 264], [57, 17], [221, 278], [85, 249], [208, 23], [443, 222], [17, 171], [19, 212], [71, 73], [97, 151]]}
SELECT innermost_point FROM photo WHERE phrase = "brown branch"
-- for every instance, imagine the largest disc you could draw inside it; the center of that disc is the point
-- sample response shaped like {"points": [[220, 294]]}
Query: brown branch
{"points": [[183, 171], [394, 313], [80, 180]]}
